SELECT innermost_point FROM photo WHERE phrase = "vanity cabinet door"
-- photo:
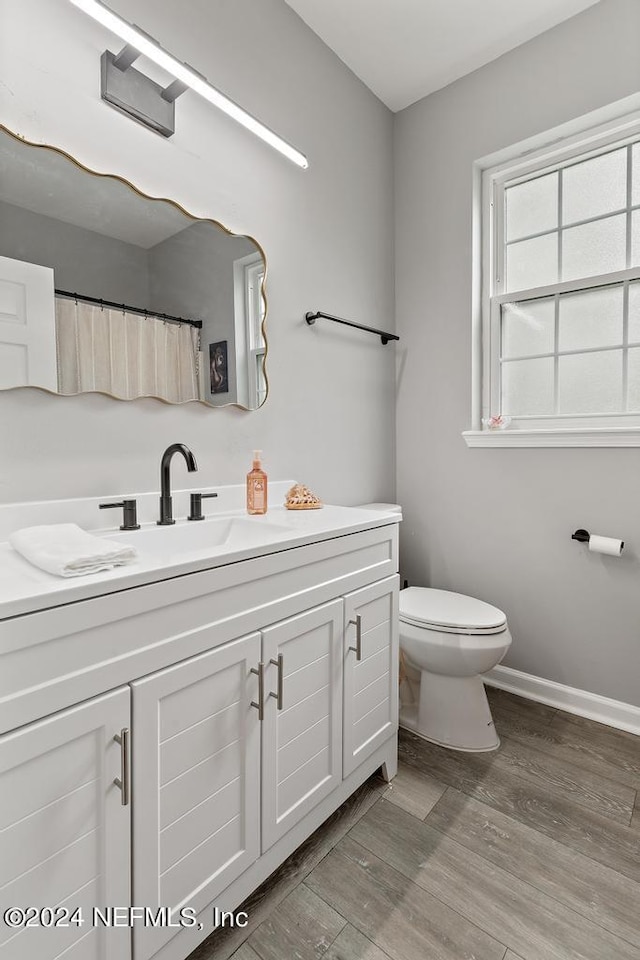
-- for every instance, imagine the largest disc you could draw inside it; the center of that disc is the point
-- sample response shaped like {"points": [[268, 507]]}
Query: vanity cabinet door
{"points": [[302, 741], [370, 681], [64, 832], [196, 782]]}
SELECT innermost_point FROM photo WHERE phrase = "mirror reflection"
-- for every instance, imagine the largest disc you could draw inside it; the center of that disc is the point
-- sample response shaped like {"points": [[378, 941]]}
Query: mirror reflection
{"points": [[104, 289]]}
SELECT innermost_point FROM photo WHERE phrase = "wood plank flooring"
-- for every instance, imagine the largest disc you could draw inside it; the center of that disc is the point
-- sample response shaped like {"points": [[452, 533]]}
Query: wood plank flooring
{"points": [[528, 853]]}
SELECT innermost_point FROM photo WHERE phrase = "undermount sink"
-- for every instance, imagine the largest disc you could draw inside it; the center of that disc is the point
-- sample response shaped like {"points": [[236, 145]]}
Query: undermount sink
{"points": [[210, 535]]}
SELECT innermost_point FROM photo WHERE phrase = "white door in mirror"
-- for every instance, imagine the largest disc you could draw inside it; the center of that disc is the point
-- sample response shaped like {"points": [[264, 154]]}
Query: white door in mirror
{"points": [[27, 325]]}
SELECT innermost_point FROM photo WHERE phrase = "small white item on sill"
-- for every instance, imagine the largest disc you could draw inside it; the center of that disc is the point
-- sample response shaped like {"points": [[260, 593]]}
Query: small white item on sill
{"points": [[66, 550], [498, 422], [300, 497]]}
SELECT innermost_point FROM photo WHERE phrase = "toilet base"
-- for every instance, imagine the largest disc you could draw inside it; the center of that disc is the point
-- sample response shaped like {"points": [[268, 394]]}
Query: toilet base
{"points": [[452, 712]]}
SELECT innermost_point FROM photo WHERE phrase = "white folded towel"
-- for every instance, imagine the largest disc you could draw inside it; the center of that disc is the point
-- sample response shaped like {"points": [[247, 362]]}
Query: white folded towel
{"points": [[67, 551]]}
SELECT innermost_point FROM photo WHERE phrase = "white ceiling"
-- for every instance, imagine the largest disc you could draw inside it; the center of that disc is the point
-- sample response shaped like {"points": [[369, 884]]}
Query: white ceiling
{"points": [[405, 49]]}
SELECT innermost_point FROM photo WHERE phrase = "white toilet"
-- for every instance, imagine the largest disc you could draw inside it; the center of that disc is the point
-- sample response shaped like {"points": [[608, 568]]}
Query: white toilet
{"points": [[448, 640]]}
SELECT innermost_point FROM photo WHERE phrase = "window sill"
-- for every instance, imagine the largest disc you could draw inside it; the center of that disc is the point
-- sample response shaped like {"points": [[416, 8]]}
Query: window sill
{"points": [[577, 437]]}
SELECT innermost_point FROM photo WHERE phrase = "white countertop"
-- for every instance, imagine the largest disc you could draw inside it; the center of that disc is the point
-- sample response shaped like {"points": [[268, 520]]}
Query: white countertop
{"points": [[26, 589]]}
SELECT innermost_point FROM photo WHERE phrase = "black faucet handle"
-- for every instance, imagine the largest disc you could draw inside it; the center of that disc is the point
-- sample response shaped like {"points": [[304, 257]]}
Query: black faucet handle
{"points": [[195, 513], [130, 513]]}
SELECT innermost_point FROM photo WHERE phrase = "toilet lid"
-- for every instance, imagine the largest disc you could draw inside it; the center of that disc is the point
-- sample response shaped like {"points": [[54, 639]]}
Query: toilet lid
{"points": [[427, 607]]}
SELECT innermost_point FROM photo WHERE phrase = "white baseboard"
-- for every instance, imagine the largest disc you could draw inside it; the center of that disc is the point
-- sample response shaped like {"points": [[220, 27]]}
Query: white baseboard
{"points": [[614, 713]]}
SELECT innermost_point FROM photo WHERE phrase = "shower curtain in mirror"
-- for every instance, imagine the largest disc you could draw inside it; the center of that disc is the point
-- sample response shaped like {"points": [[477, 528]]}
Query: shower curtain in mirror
{"points": [[124, 354]]}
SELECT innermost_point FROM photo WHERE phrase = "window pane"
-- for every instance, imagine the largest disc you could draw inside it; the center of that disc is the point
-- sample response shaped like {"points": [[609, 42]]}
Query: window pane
{"points": [[633, 402], [532, 263], [594, 248], [532, 207], [594, 187], [527, 387], [635, 238], [590, 383], [591, 319], [635, 193], [634, 313], [528, 327]]}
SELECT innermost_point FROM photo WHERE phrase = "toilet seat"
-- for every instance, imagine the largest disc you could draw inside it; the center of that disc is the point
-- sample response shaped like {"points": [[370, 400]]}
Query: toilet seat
{"points": [[448, 612]]}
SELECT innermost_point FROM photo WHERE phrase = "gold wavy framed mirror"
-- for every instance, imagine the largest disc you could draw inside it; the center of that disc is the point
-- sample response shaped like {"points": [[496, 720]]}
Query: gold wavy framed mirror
{"points": [[106, 289]]}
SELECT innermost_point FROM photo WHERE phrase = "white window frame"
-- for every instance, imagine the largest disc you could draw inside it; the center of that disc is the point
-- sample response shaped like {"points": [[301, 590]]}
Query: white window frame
{"points": [[251, 345], [581, 139], [256, 354]]}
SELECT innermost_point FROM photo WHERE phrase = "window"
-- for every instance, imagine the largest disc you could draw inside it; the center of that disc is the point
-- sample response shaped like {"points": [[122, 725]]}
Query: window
{"points": [[561, 291], [257, 348], [251, 347]]}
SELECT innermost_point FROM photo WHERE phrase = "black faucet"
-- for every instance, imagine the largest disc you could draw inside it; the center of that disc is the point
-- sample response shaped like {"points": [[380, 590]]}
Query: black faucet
{"points": [[166, 508]]}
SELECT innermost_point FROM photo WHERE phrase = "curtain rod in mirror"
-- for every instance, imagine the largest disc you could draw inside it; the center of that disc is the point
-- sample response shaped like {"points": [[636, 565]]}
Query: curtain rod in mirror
{"points": [[153, 314], [385, 337]]}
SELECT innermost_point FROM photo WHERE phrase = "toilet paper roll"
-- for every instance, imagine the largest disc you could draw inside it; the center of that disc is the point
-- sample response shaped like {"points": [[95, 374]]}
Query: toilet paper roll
{"points": [[608, 545]]}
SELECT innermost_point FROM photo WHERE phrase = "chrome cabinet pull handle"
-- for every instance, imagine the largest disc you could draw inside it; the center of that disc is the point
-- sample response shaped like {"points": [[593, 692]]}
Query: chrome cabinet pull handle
{"points": [[279, 696], [122, 782], [358, 647], [259, 672]]}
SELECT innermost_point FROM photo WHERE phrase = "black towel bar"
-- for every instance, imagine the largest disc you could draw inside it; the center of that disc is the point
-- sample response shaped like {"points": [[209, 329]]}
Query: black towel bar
{"points": [[385, 337]]}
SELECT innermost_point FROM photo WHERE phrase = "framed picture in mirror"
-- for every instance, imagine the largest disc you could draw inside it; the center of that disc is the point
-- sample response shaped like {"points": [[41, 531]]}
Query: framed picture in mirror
{"points": [[218, 354]]}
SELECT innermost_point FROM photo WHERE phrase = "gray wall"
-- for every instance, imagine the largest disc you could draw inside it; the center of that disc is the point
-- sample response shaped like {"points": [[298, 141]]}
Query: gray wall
{"points": [[83, 261], [192, 273], [327, 233], [497, 523]]}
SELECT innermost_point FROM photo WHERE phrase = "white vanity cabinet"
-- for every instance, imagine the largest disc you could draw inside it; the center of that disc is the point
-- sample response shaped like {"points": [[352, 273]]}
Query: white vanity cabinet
{"points": [[65, 833], [255, 712], [232, 749]]}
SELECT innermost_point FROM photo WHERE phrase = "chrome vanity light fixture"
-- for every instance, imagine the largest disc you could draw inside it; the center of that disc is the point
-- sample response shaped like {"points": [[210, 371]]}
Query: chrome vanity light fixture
{"points": [[132, 92]]}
